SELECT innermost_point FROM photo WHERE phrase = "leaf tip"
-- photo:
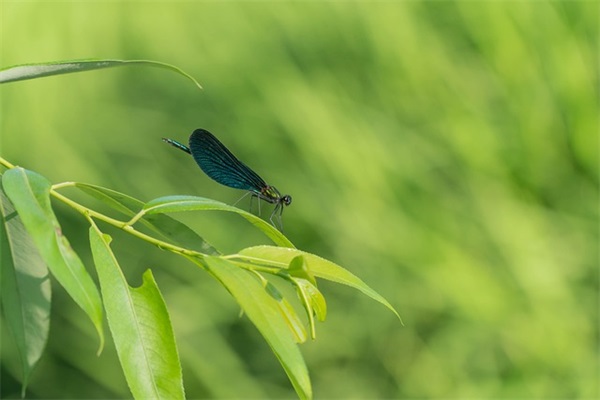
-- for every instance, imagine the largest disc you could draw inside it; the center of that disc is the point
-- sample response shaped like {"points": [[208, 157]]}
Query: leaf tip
{"points": [[396, 313], [101, 346]]}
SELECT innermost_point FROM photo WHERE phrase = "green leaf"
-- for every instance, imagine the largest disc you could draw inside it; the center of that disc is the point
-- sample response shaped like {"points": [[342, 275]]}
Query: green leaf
{"points": [[171, 229], [30, 194], [312, 301], [288, 312], [262, 309], [39, 70], [139, 322], [316, 300], [125, 204], [306, 286], [192, 203], [298, 268], [320, 267], [25, 289]]}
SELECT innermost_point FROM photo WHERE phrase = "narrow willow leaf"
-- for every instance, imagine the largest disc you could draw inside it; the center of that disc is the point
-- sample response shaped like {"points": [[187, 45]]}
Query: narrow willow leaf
{"points": [[121, 202], [39, 70], [262, 309], [29, 192], [315, 298], [139, 322], [171, 229], [25, 289], [299, 268], [288, 312], [192, 203], [320, 267]]}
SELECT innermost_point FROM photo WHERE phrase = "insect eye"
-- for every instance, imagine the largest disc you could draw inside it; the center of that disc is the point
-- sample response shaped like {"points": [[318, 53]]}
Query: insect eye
{"points": [[287, 199]]}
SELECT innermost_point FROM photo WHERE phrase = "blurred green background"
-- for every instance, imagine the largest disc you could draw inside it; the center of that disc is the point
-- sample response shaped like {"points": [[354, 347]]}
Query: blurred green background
{"points": [[445, 152]]}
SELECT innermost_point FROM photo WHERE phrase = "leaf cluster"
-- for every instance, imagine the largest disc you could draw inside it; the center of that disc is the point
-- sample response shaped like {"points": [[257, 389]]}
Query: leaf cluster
{"points": [[33, 247]]}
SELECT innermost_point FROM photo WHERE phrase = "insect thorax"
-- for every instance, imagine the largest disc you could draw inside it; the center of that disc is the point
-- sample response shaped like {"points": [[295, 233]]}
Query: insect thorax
{"points": [[270, 194]]}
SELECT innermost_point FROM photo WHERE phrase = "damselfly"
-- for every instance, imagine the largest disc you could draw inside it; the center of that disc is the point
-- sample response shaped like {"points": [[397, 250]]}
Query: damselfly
{"points": [[222, 166]]}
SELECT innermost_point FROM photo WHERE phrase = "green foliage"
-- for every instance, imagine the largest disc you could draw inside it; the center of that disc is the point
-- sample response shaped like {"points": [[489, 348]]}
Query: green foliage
{"points": [[160, 224], [140, 326], [30, 194], [39, 70], [25, 288], [265, 309], [319, 268], [193, 203], [138, 317], [445, 152]]}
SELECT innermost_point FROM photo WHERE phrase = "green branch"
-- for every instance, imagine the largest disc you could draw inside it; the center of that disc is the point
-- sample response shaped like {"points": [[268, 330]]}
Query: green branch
{"points": [[88, 212]]}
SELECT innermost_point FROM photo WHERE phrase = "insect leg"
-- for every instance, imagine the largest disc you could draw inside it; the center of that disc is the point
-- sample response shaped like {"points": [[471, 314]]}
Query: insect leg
{"points": [[243, 197], [278, 207]]}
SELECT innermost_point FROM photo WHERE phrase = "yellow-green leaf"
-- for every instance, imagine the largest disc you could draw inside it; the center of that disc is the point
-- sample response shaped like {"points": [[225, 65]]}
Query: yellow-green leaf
{"points": [[318, 266], [39, 70], [263, 310], [29, 192], [140, 325], [192, 203], [25, 291]]}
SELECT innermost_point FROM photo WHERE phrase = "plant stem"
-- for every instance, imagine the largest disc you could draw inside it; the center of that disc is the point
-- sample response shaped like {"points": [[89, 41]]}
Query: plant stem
{"points": [[63, 185], [123, 226], [6, 163], [136, 217], [127, 227]]}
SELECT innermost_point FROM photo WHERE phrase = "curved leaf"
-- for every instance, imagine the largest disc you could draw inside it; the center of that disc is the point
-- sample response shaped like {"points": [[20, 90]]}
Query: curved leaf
{"points": [[299, 269], [29, 192], [316, 300], [262, 309], [39, 70], [318, 266], [193, 203], [290, 317], [313, 302], [25, 291], [177, 232], [139, 322], [306, 286]]}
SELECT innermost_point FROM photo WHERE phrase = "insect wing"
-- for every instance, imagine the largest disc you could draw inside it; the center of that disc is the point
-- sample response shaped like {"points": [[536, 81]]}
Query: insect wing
{"points": [[219, 164]]}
